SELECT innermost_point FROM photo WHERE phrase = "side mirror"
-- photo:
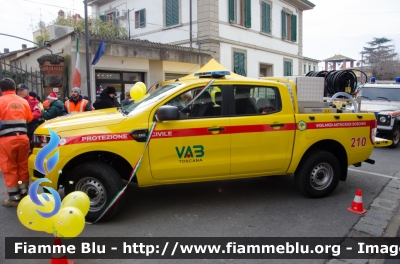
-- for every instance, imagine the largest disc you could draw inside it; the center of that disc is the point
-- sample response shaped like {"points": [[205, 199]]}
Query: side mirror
{"points": [[167, 112]]}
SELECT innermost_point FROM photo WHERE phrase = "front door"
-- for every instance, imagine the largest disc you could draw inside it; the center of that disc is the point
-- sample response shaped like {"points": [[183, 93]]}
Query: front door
{"points": [[197, 146]]}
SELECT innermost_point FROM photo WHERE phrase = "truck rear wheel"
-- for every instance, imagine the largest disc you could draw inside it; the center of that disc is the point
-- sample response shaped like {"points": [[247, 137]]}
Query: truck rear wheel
{"points": [[101, 183], [318, 174], [395, 136]]}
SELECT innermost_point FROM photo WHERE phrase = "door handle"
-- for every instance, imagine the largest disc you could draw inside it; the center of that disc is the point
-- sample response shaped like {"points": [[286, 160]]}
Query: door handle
{"points": [[277, 125], [211, 129]]}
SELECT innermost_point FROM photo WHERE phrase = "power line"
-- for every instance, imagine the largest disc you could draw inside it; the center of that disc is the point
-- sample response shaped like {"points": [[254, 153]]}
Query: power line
{"points": [[52, 5]]}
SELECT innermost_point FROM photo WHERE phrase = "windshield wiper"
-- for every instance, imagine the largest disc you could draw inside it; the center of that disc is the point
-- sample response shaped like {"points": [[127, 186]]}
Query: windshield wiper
{"points": [[383, 98], [366, 97]]}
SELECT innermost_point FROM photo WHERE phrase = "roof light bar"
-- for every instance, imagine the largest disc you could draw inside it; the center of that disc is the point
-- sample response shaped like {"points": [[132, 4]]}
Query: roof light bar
{"points": [[212, 74]]}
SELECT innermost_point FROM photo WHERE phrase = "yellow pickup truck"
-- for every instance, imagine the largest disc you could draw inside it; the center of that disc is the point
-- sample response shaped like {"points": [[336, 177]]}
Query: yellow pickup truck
{"points": [[224, 128]]}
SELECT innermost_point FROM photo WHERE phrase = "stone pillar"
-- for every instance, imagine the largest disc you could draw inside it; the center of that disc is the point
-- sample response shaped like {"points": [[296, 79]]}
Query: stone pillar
{"points": [[344, 64], [52, 67], [208, 26], [351, 64], [326, 66]]}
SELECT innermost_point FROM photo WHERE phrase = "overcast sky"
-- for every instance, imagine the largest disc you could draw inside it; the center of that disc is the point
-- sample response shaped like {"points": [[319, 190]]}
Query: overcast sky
{"points": [[332, 27]]}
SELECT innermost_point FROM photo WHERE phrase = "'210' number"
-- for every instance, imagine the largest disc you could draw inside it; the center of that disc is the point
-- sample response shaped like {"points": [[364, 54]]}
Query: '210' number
{"points": [[357, 142]]}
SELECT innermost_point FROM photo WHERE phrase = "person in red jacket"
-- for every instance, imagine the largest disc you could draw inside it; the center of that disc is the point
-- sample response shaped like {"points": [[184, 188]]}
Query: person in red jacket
{"points": [[23, 91], [15, 113]]}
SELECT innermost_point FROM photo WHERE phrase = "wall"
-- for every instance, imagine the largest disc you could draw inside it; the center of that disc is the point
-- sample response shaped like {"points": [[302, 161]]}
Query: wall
{"points": [[155, 29]]}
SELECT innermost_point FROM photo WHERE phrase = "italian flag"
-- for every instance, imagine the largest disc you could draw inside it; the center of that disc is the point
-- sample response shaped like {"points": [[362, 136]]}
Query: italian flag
{"points": [[76, 81]]}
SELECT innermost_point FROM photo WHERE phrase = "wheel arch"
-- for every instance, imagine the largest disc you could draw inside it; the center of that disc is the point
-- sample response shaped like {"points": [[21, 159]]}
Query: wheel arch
{"points": [[120, 164], [336, 149]]}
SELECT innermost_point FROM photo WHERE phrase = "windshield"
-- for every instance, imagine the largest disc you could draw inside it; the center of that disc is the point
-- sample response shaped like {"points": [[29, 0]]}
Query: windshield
{"points": [[150, 98], [380, 93]]}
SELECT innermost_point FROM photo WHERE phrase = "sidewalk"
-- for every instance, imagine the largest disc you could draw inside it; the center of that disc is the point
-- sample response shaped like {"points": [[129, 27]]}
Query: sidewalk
{"points": [[381, 220]]}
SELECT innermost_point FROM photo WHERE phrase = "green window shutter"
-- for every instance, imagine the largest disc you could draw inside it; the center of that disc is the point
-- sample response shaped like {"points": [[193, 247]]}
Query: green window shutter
{"points": [[304, 69], [171, 12], [115, 18], [247, 11], [239, 65], [283, 24], [268, 18], [103, 18], [231, 10], [142, 17], [263, 17], [236, 61], [294, 28], [175, 10], [287, 71]]}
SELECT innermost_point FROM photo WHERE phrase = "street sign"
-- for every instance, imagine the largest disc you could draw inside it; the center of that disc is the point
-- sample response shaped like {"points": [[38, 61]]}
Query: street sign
{"points": [[55, 90]]}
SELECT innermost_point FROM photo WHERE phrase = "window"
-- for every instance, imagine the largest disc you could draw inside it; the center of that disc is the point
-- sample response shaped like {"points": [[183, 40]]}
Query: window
{"points": [[109, 17], [289, 26], [171, 12], [266, 17], [314, 68], [287, 68], [250, 100], [309, 68], [240, 12], [191, 104], [304, 69], [140, 18], [239, 65]]}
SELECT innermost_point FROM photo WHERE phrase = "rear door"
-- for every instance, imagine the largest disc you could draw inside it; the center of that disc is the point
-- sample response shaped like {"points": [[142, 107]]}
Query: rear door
{"points": [[195, 147], [262, 131]]}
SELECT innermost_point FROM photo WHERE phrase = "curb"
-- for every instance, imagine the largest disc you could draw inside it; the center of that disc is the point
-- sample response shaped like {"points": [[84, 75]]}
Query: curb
{"points": [[381, 220]]}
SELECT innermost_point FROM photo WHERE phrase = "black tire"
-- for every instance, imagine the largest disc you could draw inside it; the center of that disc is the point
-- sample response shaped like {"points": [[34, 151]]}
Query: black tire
{"points": [[101, 183], [395, 136], [318, 174]]}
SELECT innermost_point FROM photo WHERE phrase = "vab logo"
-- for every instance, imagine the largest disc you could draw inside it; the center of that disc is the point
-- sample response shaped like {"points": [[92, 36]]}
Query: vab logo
{"points": [[189, 154]]}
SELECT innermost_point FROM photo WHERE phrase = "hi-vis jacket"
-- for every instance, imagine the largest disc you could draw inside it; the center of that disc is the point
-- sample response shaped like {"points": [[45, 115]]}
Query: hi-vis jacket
{"points": [[14, 114], [80, 105]]}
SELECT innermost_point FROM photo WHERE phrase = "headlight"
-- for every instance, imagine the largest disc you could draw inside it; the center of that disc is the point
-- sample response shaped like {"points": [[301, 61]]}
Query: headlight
{"points": [[41, 140], [382, 119]]}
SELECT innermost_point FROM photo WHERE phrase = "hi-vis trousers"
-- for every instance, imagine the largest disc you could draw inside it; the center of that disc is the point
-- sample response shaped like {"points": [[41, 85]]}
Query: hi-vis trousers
{"points": [[14, 152]]}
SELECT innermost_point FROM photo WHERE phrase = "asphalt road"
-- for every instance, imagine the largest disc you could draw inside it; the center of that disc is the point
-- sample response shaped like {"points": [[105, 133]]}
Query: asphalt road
{"points": [[262, 207]]}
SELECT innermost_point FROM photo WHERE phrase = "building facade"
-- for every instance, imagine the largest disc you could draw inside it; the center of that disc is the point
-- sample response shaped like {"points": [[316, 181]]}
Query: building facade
{"points": [[251, 38]]}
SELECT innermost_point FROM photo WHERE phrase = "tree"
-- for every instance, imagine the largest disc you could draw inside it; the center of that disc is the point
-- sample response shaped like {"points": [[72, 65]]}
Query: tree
{"points": [[380, 57], [95, 25]]}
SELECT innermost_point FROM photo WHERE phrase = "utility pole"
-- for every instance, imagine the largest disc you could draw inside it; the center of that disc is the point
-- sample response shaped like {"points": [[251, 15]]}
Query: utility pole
{"points": [[190, 23], [87, 52]]}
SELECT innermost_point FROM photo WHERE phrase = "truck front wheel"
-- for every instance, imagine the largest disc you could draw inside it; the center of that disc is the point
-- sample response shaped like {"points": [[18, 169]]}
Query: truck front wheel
{"points": [[318, 174], [395, 136], [101, 183]]}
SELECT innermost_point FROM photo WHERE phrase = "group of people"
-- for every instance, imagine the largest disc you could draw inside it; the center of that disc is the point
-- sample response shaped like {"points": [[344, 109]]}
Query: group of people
{"points": [[20, 114]]}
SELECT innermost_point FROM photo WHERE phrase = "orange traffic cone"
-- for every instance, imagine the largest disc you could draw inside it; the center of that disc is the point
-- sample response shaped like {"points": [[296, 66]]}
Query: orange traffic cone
{"points": [[357, 205], [59, 258]]}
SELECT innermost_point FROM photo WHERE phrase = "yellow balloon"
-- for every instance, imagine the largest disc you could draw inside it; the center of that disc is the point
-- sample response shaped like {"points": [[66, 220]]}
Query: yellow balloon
{"points": [[77, 199], [48, 222], [68, 222], [136, 93], [29, 217], [142, 86]]}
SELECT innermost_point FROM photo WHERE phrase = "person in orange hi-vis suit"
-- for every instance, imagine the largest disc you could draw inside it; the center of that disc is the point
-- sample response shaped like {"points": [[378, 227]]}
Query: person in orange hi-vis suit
{"points": [[15, 113]]}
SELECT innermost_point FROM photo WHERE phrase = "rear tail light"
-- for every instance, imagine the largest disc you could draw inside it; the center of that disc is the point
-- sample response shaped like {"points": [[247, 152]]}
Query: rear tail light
{"points": [[373, 125]]}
